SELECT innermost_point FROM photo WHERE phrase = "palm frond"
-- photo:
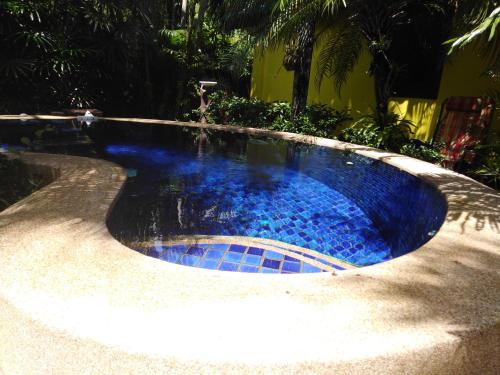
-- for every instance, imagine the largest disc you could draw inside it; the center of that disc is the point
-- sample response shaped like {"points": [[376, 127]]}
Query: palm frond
{"points": [[289, 21], [16, 68], [485, 37], [340, 52], [485, 28]]}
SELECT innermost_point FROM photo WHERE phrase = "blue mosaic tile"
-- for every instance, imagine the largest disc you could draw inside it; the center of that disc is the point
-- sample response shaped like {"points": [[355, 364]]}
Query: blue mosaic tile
{"points": [[209, 264], [214, 254], [237, 248], [255, 251], [324, 261], [290, 259], [170, 256], [291, 266], [195, 250], [251, 269], [273, 255], [190, 260], [228, 267], [233, 257], [269, 270], [252, 260], [269, 263], [308, 268]]}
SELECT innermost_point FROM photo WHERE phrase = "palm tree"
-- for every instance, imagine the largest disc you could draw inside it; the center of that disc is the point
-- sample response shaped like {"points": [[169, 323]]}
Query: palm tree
{"points": [[351, 25], [348, 26], [274, 24], [342, 27]]}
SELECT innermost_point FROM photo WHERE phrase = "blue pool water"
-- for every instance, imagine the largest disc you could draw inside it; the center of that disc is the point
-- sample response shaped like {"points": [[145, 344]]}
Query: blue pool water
{"points": [[183, 183], [213, 194]]}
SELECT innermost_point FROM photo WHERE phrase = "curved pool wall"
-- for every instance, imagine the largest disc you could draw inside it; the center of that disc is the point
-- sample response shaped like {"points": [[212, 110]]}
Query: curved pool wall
{"points": [[107, 309], [359, 210], [406, 210]]}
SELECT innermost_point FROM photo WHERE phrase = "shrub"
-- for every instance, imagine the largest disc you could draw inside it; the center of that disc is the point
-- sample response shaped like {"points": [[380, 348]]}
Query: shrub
{"points": [[486, 166], [425, 151], [391, 134], [319, 121]]}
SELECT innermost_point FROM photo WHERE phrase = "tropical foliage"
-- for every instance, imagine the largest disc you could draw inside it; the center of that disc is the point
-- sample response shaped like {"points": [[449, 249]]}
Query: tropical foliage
{"points": [[125, 57], [391, 134], [486, 27], [145, 57], [315, 120], [486, 166]]}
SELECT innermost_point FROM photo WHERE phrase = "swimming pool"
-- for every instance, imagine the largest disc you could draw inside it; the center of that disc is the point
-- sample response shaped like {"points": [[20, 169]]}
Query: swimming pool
{"points": [[238, 203]]}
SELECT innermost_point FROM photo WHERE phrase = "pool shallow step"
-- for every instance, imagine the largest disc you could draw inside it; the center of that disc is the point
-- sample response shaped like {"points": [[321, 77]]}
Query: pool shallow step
{"points": [[237, 258]]}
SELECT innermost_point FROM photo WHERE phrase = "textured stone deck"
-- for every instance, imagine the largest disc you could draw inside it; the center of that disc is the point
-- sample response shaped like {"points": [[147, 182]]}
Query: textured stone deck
{"points": [[73, 300]]}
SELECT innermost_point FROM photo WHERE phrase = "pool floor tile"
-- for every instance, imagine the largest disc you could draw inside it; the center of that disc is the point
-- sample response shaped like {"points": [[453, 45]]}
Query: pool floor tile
{"points": [[242, 258], [190, 260], [268, 270], [233, 257], [214, 254], [195, 250], [273, 255], [209, 264], [250, 269], [170, 256], [253, 260], [225, 266], [291, 266], [153, 253], [237, 248], [308, 268], [255, 251], [270, 263]]}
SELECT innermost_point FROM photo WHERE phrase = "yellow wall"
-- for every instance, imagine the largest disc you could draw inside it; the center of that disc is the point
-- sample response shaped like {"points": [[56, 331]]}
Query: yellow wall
{"points": [[271, 82], [462, 76], [422, 112]]}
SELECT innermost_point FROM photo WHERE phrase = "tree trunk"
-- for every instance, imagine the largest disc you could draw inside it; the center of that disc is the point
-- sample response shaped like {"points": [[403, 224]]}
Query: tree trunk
{"points": [[201, 17], [190, 41], [383, 80], [302, 72], [147, 77], [184, 15]]}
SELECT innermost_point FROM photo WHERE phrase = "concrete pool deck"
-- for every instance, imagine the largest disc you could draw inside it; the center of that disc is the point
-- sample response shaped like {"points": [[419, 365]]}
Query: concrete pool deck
{"points": [[73, 300]]}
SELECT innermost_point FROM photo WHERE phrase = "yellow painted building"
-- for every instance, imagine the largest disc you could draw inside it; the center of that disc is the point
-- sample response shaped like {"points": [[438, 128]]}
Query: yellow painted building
{"points": [[463, 75]]}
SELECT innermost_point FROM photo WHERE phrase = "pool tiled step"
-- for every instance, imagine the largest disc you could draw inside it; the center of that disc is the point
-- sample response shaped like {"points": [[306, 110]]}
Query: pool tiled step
{"points": [[237, 258]]}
